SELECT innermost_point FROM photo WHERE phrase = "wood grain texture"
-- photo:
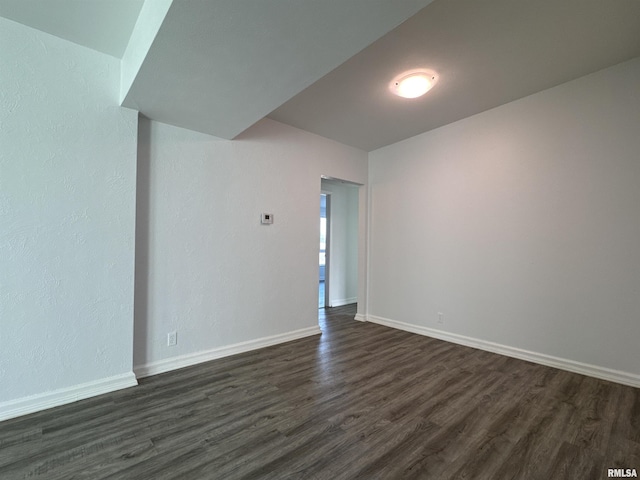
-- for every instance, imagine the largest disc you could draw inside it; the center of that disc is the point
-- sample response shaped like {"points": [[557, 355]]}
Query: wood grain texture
{"points": [[361, 401]]}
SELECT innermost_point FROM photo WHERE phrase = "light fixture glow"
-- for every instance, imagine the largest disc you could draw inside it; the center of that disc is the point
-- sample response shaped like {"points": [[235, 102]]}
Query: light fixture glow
{"points": [[414, 83]]}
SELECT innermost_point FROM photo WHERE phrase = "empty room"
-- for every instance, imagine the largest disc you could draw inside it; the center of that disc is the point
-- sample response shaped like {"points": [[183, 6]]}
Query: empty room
{"points": [[162, 165]]}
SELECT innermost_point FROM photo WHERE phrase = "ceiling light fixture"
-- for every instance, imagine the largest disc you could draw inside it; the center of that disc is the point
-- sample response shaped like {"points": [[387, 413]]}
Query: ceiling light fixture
{"points": [[413, 83]]}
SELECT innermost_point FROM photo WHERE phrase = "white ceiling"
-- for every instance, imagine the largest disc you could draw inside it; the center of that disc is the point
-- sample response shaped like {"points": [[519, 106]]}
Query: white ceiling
{"points": [[487, 53], [102, 25], [218, 66]]}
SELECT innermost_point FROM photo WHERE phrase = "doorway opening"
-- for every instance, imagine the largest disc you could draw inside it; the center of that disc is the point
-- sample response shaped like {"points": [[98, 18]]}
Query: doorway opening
{"points": [[339, 243], [323, 258]]}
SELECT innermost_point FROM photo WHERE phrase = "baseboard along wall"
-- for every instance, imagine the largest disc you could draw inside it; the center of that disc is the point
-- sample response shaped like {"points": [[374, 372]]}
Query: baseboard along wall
{"points": [[174, 363], [56, 398], [617, 376], [63, 396], [35, 403], [343, 301]]}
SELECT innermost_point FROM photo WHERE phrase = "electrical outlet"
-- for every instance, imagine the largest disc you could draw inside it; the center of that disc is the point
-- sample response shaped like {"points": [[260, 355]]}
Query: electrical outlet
{"points": [[440, 318], [172, 338]]}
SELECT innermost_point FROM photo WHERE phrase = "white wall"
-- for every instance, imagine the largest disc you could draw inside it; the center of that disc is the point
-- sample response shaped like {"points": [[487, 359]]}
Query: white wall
{"points": [[520, 224], [206, 267], [343, 251], [67, 204]]}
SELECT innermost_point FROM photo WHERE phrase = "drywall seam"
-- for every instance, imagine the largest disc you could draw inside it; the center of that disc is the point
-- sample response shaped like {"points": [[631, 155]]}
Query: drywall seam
{"points": [[617, 376], [63, 396], [190, 359]]}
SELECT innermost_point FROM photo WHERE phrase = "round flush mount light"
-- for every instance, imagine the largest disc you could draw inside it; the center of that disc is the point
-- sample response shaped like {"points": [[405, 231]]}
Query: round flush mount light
{"points": [[413, 83]]}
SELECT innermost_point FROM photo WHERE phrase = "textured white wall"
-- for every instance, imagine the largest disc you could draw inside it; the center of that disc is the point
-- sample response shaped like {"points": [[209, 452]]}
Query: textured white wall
{"points": [[67, 204], [343, 272], [205, 266], [520, 224]]}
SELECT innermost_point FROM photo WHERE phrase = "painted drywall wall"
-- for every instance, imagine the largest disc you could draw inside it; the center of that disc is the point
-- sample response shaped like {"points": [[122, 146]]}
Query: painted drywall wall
{"points": [[519, 224], [343, 251], [67, 205], [206, 267]]}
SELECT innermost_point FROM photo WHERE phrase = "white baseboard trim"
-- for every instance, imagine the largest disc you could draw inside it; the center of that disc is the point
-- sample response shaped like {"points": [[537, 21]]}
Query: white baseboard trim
{"points": [[359, 317], [343, 301], [55, 398], [595, 371], [174, 363]]}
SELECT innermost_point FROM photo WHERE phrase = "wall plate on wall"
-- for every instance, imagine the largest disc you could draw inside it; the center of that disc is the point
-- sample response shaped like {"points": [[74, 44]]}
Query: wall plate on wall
{"points": [[266, 218]]}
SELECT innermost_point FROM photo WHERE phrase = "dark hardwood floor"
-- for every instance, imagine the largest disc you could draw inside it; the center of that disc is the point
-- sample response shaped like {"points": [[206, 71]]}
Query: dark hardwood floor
{"points": [[361, 401]]}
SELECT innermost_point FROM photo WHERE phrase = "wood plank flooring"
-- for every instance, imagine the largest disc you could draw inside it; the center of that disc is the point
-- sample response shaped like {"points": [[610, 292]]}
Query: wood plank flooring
{"points": [[361, 401]]}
